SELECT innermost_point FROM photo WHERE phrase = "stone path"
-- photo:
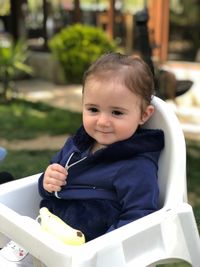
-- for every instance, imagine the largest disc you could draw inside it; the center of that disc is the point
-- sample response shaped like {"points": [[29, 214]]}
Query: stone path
{"points": [[44, 142], [62, 96]]}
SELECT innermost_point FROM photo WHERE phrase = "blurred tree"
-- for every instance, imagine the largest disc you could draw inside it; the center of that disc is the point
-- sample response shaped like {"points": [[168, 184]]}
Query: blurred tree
{"points": [[4, 7]]}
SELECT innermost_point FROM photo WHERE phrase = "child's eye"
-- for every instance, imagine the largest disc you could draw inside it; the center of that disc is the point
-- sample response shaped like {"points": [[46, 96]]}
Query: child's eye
{"points": [[117, 112], [93, 110]]}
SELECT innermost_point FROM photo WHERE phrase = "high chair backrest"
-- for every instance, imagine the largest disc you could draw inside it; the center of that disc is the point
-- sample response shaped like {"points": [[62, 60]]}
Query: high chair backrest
{"points": [[172, 162], [166, 235]]}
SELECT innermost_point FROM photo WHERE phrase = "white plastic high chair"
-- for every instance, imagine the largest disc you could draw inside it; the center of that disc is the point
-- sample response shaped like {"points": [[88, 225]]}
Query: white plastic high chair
{"points": [[167, 235]]}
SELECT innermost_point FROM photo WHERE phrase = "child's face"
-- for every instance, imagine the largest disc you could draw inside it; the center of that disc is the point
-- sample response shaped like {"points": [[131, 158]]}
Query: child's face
{"points": [[111, 112]]}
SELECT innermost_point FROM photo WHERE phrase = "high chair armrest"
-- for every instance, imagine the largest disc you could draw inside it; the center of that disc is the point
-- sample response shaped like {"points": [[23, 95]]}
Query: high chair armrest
{"points": [[139, 243], [150, 239], [27, 233], [22, 195]]}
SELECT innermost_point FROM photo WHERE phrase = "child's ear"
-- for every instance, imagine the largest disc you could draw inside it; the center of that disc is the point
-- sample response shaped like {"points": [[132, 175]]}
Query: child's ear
{"points": [[147, 114]]}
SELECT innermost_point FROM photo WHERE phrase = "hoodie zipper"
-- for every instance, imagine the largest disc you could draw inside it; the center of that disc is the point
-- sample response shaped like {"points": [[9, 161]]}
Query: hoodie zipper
{"points": [[67, 166]]}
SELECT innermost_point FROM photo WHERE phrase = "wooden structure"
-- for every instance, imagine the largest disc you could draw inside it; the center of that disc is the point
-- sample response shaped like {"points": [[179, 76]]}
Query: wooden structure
{"points": [[158, 24], [159, 28]]}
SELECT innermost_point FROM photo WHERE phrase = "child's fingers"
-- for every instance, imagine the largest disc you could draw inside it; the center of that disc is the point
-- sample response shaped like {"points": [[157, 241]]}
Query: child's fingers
{"points": [[59, 168], [54, 177], [52, 188], [56, 171], [50, 184]]}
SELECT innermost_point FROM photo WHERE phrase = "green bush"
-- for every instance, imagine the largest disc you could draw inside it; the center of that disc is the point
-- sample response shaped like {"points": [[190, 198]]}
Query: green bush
{"points": [[77, 46], [12, 62]]}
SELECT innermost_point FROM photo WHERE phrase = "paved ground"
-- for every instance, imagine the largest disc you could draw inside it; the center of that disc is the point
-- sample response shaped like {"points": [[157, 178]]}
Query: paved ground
{"points": [[63, 96], [187, 106], [41, 143]]}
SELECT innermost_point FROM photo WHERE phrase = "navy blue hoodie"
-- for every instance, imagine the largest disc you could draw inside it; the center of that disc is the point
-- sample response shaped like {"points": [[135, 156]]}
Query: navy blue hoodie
{"points": [[110, 188]]}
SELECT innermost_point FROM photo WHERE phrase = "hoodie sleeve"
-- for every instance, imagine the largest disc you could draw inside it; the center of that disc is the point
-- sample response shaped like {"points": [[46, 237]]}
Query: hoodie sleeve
{"points": [[137, 190]]}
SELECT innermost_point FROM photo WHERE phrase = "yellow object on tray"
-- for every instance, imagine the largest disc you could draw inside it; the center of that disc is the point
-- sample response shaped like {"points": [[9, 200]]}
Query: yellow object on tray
{"points": [[53, 225]]}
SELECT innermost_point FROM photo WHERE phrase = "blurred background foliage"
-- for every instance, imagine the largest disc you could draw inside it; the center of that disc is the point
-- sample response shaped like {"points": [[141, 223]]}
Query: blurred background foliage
{"points": [[77, 46]]}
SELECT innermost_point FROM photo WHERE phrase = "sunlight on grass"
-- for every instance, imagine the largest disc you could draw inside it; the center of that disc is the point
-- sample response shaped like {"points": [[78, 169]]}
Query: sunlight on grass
{"points": [[17, 112], [24, 120], [38, 114]]}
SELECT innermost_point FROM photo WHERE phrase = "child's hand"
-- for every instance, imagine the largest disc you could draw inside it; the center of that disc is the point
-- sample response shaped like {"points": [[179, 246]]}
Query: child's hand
{"points": [[54, 178]]}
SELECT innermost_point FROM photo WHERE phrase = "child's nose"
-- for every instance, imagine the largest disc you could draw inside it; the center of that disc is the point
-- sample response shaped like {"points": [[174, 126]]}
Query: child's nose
{"points": [[103, 120]]}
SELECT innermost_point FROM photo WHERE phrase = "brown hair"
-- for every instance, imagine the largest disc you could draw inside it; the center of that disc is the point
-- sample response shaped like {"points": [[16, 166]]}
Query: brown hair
{"points": [[131, 70]]}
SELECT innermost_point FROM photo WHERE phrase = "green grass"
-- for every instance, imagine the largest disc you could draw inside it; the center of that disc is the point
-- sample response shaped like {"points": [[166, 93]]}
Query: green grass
{"points": [[24, 120], [24, 163], [21, 119], [178, 264], [193, 175]]}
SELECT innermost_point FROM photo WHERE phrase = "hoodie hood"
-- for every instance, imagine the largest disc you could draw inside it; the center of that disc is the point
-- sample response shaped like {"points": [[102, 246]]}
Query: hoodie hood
{"points": [[142, 141]]}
